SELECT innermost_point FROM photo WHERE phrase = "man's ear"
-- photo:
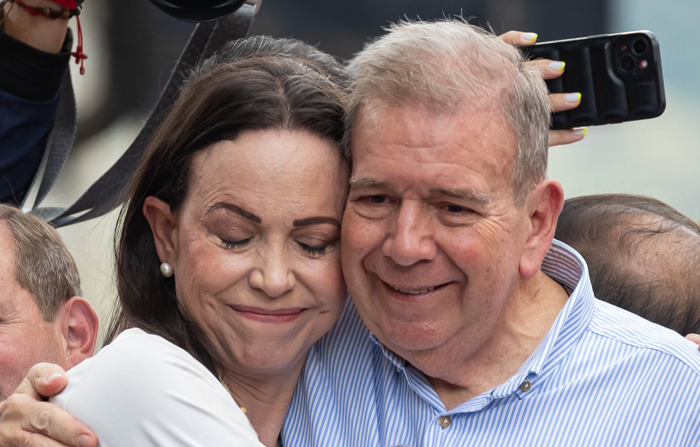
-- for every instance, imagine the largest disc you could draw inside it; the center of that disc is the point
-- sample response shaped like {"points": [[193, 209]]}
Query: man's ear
{"points": [[543, 206], [164, 227], [78, 325]]}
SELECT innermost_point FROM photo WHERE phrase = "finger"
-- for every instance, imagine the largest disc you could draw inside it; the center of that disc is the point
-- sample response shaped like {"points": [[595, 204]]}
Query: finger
{"points": [[695, 338], [51, 421], [518, 38], [558, 137], [550, 69], [34, 440], [47, 379], [560, 102], [25, 439]]}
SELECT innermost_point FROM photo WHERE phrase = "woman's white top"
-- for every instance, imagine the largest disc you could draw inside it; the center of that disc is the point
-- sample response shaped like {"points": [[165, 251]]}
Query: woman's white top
{"points": [[141, 390]]}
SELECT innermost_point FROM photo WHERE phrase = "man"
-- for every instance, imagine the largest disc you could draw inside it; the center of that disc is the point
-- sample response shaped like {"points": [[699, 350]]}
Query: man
{"points": [[42, 316], [642, 254], [478, 330]]}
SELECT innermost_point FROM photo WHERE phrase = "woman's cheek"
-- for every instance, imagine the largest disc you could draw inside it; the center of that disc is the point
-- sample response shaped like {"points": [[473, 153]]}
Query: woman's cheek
{"points": [[334, 283]]}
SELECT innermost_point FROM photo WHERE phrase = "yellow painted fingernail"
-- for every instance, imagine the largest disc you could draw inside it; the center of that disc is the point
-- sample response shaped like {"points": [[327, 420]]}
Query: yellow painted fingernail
{"points": [[573, 97], [558, 66], [581, 131], [529, 37]]}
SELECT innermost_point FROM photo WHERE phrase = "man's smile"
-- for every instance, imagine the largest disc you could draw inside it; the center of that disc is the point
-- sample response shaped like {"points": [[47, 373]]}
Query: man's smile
{"points": [[414, 290]]}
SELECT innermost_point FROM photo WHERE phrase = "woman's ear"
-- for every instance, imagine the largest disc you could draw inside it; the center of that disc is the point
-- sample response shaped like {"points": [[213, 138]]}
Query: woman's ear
{"points": [[163, 223]]}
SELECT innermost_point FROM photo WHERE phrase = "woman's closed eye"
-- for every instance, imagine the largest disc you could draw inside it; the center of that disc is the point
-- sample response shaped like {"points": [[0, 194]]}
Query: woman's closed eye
{"points": [[235, 243], [314, 250], [317, 245]]}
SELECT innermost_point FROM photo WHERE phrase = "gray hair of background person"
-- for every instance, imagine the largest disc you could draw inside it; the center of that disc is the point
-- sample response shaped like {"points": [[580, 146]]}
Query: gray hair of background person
{"points": [[642, 254], [457, 66], [43, 265]]}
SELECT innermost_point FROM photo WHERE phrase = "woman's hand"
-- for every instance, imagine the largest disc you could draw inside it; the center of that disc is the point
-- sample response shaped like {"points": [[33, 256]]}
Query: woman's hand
{"points": [[27, 421], [559, 101], [695, 338]]}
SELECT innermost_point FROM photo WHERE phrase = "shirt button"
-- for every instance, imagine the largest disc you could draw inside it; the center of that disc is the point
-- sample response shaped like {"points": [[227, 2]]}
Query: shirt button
{"points": [[525, 386], [445, 421]]}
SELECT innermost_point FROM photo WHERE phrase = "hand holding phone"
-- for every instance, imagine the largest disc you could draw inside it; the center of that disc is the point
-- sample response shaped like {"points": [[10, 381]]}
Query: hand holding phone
{"points": [[559, 102], [618, 76]]}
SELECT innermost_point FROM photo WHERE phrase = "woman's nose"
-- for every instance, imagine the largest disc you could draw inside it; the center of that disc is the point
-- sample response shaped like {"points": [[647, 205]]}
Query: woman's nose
{"points": [[274, 277]]}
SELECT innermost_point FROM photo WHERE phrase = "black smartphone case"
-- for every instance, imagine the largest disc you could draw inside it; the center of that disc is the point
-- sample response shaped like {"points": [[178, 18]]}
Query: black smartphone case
{"points": [[610, 91]]}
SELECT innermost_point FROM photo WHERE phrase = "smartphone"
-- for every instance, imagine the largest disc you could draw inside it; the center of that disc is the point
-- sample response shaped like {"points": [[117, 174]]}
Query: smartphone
{"points": [[618, 75]]}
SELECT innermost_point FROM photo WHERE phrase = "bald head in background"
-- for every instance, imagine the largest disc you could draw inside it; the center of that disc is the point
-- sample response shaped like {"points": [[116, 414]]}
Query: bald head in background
{"points": [[642, 254]]}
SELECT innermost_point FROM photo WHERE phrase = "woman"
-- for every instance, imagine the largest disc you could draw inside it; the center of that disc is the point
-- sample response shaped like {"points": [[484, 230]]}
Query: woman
{"points": [[228, 266]]}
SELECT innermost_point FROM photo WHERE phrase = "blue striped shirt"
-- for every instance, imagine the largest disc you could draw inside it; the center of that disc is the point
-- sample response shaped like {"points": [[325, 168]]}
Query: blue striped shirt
{"points": [[601, 376]]}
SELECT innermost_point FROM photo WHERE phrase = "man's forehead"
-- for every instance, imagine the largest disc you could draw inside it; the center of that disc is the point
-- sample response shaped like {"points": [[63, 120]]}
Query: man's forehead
{"points": [[470, 146], [418, 125]]}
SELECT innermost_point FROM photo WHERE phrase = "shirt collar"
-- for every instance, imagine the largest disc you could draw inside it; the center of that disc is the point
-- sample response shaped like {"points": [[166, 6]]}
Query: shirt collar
{"points": [[394, 358], [566, 266]]}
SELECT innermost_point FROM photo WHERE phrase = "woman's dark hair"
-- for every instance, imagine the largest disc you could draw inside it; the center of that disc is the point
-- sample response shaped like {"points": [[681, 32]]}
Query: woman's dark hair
{"points": [[253, 84]]}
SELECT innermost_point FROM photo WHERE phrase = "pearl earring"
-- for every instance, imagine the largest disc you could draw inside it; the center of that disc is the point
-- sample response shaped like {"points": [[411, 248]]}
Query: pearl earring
{"points": [[166, 270]]}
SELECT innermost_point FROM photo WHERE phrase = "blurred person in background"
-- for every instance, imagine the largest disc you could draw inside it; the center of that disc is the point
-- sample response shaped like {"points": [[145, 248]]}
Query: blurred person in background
{"points": [[34, 54], [42, 316], [642, 255]]}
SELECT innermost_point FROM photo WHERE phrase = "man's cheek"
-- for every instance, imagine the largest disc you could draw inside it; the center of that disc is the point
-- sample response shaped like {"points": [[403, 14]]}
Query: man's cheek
{"points": [[359, 234]]}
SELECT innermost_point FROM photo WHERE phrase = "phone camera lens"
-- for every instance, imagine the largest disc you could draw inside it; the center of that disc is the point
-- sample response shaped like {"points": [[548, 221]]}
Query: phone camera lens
{"points": [[639, 46], [627, 64]]}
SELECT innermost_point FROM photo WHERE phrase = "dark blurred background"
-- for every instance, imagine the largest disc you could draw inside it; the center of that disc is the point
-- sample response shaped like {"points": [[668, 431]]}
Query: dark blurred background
{"points": [[144, 42]]}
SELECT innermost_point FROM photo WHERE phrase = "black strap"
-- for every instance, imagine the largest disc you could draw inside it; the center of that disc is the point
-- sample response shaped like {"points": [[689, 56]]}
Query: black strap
{"points": [[58, 146], [110, 190]]}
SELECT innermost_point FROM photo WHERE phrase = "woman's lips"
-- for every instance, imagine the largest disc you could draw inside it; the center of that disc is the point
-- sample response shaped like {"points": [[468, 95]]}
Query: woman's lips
{"points": [[267, 315]]}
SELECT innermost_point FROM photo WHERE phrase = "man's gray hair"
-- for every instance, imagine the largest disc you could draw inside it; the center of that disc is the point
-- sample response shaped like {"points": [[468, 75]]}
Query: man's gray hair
{"points": [[450, 65], [43, 265]]}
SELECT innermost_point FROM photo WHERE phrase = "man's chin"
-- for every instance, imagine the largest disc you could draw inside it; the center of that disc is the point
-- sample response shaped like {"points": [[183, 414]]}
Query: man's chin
{"points": [[403, 338]]}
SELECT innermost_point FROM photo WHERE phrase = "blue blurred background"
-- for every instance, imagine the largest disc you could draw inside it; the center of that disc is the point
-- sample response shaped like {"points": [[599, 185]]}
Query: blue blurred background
{"points": [[133, 46]]}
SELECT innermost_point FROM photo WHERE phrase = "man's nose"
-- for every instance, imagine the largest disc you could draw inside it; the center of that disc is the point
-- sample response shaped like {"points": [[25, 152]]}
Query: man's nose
{"points": [[274, 276], [412, 238]]}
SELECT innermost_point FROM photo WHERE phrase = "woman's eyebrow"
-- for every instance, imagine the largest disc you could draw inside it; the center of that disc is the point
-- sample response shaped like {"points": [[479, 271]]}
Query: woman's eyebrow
{"points": [[315, 221], [236, 209]]}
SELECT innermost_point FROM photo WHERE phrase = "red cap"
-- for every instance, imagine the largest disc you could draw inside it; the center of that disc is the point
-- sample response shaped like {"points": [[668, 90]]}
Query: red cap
{"points": [[70, 4]]}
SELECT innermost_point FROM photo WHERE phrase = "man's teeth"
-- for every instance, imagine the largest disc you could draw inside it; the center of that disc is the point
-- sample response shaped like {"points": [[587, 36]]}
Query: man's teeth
{"points": [[414, 291]]}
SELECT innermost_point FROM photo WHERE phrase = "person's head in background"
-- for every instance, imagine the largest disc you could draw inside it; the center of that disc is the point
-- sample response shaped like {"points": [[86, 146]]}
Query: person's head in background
{"points": [[42, 316], [643, 255]]}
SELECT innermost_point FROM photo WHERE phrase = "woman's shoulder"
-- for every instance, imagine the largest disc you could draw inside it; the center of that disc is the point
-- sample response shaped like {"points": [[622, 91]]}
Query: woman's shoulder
{"points": [[136, 356], [144, 387]]}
